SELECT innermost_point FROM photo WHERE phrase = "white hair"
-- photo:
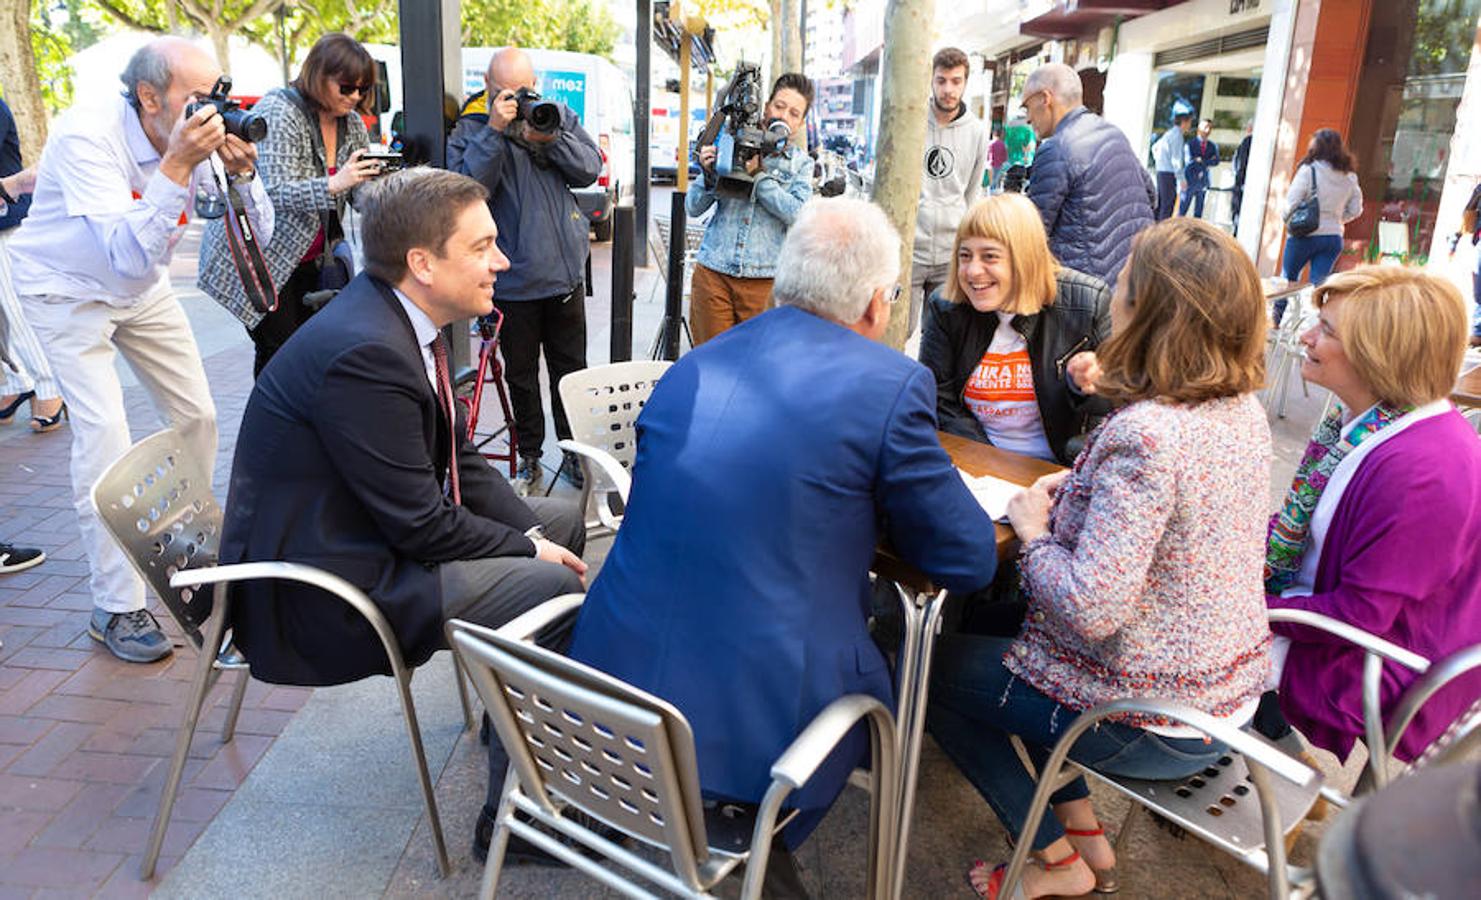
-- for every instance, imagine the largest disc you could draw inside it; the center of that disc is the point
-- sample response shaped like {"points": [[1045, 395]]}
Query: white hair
{"points": [[1059, 80], [836, 255]]}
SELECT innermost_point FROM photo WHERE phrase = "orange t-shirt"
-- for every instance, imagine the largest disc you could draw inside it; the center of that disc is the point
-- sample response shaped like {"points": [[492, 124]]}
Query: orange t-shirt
{"points": [[1000, 393]]}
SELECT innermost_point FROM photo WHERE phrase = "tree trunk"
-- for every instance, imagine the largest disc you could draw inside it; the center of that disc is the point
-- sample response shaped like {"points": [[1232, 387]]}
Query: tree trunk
{"points": [[791, 36], [777, 61], [19, 77], [905, 77], [219, 43]]}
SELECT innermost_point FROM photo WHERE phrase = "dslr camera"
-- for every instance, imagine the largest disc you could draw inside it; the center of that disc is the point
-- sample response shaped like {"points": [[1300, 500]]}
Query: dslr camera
{"points": [[739, 134], [248, 126], [542, 115]]}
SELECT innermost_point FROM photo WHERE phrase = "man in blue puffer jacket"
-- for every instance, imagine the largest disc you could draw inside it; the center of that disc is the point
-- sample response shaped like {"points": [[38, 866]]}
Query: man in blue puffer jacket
{"points": [[1092, 192]]}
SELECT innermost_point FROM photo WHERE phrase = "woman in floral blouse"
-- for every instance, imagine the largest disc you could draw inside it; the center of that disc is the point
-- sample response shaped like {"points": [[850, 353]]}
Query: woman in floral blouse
{"points": [[1142, 564]]}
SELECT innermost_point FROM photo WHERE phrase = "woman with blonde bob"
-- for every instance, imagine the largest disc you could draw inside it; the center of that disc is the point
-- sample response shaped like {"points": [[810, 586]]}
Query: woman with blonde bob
{"points": [[1141, 564], [1382, 523], [1009, 336]]}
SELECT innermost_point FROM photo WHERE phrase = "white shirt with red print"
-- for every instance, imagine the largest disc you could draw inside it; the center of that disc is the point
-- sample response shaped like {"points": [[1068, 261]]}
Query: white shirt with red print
{"points": [[1000, 393]]}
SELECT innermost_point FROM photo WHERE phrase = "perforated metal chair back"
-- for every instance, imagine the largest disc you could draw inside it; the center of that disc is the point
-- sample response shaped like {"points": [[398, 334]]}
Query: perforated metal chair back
{"points": [[577, 736], [157, 504], [603, 403]]}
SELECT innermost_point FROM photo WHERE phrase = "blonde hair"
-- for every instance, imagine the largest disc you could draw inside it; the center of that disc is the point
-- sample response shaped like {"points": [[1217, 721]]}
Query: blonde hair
{"points": [[1197, 322], [1013, 221], [1403, 329]]}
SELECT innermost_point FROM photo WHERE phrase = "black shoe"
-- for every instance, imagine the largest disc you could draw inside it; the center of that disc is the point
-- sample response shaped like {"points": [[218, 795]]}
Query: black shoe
{"points": [[572, 471], [18, 559], [521, 852], [7, 412]]}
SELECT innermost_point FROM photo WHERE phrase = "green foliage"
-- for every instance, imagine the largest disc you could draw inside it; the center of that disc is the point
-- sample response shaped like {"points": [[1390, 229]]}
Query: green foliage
{"points": [[56, 33], [369, 21], [576, 25], [1444, 31]]}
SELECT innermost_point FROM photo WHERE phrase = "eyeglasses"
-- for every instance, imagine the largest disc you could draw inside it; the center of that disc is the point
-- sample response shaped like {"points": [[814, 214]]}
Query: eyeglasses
{"points": [[346, 89], [893, 296]]}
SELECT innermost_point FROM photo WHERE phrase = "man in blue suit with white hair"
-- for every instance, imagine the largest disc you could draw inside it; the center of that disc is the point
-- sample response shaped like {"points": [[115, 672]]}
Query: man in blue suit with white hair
{"points": [[770, 463]]}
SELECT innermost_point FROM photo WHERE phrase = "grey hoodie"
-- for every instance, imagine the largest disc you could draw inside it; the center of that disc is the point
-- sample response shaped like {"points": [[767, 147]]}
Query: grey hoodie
{"points": [[956, 154]]}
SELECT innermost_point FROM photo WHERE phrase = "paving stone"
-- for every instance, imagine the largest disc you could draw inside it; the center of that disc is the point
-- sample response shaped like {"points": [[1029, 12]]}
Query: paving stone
{"points": [[43, 756], [51, 867]]}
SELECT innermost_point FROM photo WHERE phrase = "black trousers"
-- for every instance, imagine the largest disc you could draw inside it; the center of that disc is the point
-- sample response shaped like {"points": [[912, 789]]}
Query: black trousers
{"points": [[278, 326], [1167, 194], [558, 326]]}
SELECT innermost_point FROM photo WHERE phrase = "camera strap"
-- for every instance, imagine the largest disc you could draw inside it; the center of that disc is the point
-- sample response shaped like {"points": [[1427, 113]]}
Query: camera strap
{"points": [[246, 252]]}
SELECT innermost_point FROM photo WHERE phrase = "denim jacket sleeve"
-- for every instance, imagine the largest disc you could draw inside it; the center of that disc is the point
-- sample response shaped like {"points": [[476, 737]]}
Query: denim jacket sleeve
{"points": [[783, 188]]}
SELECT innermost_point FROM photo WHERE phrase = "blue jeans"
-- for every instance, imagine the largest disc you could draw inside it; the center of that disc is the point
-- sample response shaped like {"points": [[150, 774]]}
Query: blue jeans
{"points": [[1320, 250], [976, 703], [1476, 296]]}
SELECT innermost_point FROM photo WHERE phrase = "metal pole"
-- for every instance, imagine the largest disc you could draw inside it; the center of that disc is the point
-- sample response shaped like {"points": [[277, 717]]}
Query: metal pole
{"points": [[622, 284], [673, 301], [431, 76], [681, 171], [642, 109]]}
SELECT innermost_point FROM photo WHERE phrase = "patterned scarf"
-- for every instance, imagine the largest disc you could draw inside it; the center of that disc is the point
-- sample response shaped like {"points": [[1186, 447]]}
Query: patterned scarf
{"points": [[1289, 537]]}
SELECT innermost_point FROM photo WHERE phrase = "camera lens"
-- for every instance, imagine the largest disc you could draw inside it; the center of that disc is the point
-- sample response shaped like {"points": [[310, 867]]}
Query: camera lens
{"points": [[545, 116], [246, 125]]}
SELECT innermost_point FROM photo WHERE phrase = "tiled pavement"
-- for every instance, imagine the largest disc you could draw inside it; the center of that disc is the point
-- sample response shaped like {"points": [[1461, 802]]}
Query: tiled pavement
{"points": [[85, 740]]}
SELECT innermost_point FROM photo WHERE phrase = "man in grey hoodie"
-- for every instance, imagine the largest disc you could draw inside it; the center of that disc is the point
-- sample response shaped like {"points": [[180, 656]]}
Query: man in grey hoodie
{"points": [[956, 154]]}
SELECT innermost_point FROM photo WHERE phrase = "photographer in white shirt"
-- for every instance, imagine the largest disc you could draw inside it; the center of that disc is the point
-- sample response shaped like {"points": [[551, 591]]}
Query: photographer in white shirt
{"points": [[114, 193]]}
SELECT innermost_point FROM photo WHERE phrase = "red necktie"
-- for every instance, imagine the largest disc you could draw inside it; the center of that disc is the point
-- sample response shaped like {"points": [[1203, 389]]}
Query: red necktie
{"points": [[445, 397]]}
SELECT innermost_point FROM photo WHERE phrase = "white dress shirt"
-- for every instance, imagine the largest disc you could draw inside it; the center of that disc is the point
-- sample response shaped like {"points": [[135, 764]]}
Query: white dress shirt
{"points": [[86, 237], [426, 333]]}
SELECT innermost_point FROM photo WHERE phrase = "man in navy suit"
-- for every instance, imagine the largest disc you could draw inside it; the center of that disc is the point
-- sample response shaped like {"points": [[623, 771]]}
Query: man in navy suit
{"points": [[352, 457], [770, 463]]}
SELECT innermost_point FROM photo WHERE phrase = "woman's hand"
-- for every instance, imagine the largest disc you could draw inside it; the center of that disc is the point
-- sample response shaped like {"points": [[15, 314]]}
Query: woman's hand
{"points": [[355, 171], [1028, 511], [1084, 369]]}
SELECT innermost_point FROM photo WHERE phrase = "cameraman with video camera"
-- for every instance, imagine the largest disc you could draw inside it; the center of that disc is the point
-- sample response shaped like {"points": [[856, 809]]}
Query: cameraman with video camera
{"points": [[312, 161], [529, 153], [91, 265], [737, 257]]}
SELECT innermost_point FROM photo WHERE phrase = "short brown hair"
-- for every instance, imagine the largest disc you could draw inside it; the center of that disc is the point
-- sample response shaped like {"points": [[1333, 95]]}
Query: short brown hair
{"points": [[1197, 321], [1403, 329], [793, 81], [412, 208], [335, 56], [950, 58], [1013, 221]]}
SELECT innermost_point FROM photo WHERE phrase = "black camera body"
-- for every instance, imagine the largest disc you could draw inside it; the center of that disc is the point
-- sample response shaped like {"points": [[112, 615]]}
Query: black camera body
{"points": [[390, 160], [542, 115], [739, 134], [248, 126]]}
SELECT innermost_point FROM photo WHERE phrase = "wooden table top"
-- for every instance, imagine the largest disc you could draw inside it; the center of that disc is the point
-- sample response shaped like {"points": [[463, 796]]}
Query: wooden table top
{"points": [[1468, 389], [976, 459]]}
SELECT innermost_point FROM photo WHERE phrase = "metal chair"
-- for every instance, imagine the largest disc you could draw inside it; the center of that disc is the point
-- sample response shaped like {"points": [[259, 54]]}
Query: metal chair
{"points": [[157, 504], [602, 404], [1283, 355], [581, 739], [694, 231], [1212, 804]]}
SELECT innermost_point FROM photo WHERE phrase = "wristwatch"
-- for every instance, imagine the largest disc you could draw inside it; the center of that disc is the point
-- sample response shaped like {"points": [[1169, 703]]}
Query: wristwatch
{"points": [[536, 534], [242, 177]]}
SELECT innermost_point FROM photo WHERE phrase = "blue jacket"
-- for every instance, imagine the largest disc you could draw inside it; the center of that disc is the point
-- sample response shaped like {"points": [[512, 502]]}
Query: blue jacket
{"points": [[1092, 192], [540, 229], [770, 463], [745, 236], [1202, 155]]}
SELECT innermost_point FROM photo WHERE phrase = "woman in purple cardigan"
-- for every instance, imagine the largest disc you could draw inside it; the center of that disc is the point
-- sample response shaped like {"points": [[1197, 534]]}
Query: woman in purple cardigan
{"points": [[1382, 525], [1141, 565]]}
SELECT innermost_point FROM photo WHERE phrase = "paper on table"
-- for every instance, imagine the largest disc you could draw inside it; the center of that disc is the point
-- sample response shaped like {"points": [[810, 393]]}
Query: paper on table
{"points": [[991, 493]]}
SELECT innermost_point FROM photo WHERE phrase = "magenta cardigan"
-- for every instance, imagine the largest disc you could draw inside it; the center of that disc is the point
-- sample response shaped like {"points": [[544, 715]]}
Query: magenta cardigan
{"points": [[1402, 560]]}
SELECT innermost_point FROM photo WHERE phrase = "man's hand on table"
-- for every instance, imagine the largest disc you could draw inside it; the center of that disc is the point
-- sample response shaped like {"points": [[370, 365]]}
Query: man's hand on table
{"points": [[555, 553], [1028, 511]]}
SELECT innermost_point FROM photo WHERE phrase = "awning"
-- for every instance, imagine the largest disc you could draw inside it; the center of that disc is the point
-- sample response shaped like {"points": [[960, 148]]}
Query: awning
{"points": [[1083, 18]]}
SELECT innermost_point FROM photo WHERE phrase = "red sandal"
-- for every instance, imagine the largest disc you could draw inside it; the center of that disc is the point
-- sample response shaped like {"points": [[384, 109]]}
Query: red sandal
{"points": [[995, 881], [1106, 881]]}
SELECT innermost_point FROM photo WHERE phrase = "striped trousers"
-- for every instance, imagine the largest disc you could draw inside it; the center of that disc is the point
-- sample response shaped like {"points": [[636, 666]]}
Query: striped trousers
{"points": [[35, 372]]}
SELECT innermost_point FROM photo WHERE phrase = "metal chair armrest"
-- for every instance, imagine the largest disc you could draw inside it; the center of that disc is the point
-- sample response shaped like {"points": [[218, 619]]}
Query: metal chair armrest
{"points": [[1419, 693], [1368, 642], [808, 750], [604, 462], [525, 626]]}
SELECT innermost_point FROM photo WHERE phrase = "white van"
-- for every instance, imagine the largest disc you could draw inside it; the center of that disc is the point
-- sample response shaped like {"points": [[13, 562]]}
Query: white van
{"points": [[593, 87], [663, 133]]}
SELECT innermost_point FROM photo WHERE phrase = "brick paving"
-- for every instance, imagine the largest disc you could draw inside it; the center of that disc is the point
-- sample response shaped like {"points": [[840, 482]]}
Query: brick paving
{"points": [[85, 740]]}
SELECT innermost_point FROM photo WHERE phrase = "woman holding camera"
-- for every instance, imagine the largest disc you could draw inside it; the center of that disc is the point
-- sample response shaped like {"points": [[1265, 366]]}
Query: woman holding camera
{"points": [[737, 257], [311, 161]]}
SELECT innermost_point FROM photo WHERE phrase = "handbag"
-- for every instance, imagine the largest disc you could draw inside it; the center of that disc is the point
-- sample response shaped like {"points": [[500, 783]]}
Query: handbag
{"points": [[337, 260], [1306, 216]]}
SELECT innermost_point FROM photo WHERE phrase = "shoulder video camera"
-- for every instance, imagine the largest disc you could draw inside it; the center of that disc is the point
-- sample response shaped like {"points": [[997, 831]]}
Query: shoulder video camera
{"points": [[248, 126], [542, 115], [739, 134]]}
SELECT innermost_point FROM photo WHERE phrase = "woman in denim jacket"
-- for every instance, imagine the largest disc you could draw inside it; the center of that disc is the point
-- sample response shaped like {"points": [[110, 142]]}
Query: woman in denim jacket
{"points": [[737, 258]]}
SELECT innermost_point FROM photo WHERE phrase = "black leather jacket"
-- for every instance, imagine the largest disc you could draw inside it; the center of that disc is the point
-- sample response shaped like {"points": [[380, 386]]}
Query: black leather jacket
{"points": [[955, 336]]}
